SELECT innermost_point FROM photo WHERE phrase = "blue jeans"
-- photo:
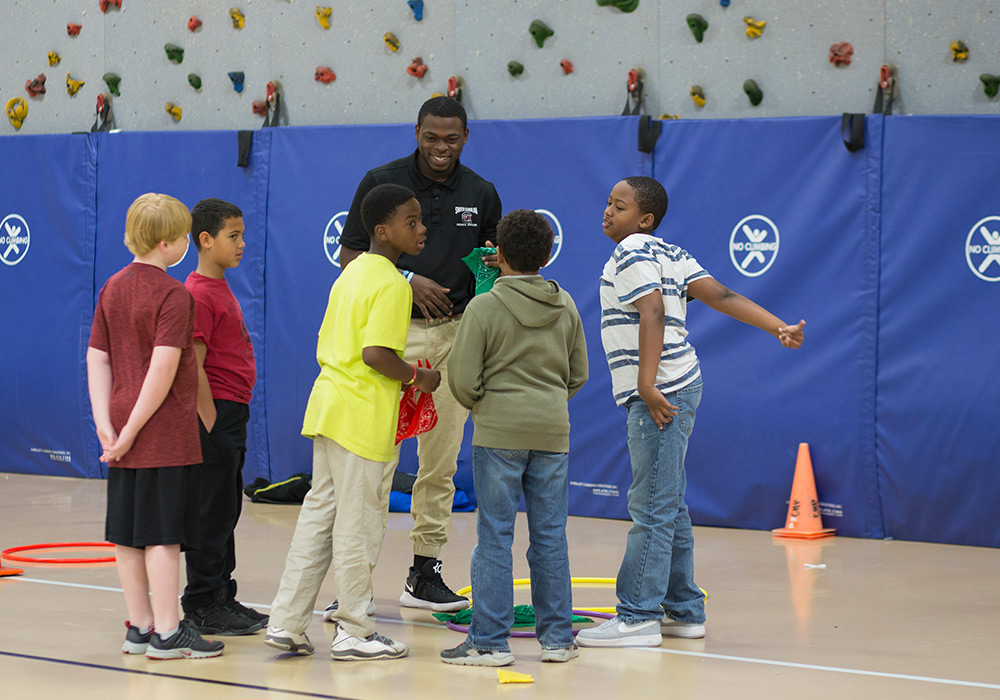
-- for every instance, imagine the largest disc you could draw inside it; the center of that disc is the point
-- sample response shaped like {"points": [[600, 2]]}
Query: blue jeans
{"points": [[501, 476], [657, 572]]}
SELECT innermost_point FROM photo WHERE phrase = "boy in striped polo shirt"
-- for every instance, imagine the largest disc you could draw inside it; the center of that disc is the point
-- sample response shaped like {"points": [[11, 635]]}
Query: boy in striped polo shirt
{"points": [[645, 287]]}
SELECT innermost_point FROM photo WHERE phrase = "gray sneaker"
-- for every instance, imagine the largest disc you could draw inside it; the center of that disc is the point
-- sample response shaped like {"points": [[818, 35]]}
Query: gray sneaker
{"points": [[669, 627], [185, 643], [374, 647], [290, 642], [135, 641], [618, 633], [464, 655], [559, 656]]}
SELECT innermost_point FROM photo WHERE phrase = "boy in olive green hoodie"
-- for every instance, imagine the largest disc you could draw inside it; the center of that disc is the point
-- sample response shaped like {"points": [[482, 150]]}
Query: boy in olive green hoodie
{"points": [[519, 356]]}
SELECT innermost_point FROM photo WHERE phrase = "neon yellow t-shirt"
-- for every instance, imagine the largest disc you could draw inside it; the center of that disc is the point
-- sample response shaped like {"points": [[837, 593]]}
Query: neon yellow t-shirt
{"points": [[351, 403]]}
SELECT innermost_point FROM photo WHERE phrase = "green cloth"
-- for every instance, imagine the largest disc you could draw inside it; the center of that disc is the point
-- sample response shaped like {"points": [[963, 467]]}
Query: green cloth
{"points": [[485, 275], [524, 616]]}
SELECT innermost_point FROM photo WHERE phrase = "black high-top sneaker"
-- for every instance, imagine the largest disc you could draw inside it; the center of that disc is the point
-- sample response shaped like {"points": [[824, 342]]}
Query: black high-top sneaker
{"points": [[426, 589]]}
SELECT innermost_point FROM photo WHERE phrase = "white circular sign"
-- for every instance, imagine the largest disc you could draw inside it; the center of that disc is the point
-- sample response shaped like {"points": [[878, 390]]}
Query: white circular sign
{"points": [[753, 245], [14, 239], [331, 241], [557, 231], [982, 249]]}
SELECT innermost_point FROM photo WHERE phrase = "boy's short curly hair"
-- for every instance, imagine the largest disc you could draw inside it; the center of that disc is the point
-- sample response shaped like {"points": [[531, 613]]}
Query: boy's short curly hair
{"points": [[210, 215], [445, 107], [153, 218], [381, 203], [525, 238], [650, 196]]}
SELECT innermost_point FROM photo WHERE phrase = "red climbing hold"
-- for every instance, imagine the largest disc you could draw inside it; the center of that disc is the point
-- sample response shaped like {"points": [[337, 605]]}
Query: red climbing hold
{"points": [[193, 23], [105, 3], [567, 66], [633, 80], [840, 54], [417, 68], [260, 107], [453, 86], [36, 86], [325, 74], [73, 29]]}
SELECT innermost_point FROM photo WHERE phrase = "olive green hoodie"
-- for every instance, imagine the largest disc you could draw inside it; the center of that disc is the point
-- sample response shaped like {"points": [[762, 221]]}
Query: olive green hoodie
{"points": [[519, 356]]}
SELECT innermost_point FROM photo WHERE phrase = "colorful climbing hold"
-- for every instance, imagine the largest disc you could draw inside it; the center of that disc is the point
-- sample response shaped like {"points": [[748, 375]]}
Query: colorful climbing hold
{"points": [[174, 52], [540, 32], [259, 107], [73, 29], [239, 20], [959, 51], [391, 41], [755, 27], [193, 23], [73, 86], [455, 88], [665, 116], [105, 4], [237, 77], [37, 86], [323, 16], [112, 80], [840, 54], [698, 25], [324, 74], [623, 5], [54, 58], [753, 91], [566, 65], [16, 110], [418, 8], [698, 95], [173, 110], [724, 3], [514, 68], [417, 68], [991, 84], [194, 80]]}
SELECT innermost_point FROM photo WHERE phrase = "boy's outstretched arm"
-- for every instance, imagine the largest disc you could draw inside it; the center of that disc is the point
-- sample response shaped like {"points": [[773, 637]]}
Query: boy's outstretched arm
{"points": [[651, 324], [387, 362], [721, 298]]}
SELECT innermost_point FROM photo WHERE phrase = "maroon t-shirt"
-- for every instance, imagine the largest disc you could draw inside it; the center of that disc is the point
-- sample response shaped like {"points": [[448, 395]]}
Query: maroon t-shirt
{"points": [[140, 307], [218, 323]]}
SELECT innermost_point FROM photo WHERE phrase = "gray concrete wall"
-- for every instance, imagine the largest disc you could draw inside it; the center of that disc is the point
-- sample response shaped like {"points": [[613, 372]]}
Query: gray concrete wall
{"points": [[475, 39]]}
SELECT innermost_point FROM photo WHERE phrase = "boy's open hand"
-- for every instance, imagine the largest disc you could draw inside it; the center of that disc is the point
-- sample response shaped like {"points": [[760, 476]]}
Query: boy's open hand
{"points": [[427, 380], [430, 297], [791, 336], [662, 410]]}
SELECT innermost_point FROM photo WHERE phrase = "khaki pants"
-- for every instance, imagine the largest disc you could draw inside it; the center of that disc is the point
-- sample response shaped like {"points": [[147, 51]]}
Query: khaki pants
{"points": [[437, 450], [341, 521]]}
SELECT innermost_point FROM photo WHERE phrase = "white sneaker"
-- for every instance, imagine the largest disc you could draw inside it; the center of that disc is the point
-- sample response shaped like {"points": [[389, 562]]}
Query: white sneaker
{"points": [[288, 641], [374, 647], [669, 627], [332, 608], [618, 633], [558, 656]]}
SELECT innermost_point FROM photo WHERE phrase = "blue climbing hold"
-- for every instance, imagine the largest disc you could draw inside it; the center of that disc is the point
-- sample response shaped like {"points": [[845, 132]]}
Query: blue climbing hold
{"points": [[418, 8], [237, 77], [724, 3]]}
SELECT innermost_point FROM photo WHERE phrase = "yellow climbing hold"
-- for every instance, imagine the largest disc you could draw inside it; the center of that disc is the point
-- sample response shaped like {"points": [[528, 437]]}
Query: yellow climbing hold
{"points": [[513, 677], [391, 41], [54, 58], [72, 86], [438, 94], [754, 27], [17, 110], [959, 51], [698, 95], [661, 118], [173, 110], [323, 15], [239, 21]]}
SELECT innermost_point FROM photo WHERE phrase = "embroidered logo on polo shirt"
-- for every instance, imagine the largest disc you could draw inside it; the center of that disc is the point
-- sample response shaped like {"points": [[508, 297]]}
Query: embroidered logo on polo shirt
{"points": [[465, 216]]}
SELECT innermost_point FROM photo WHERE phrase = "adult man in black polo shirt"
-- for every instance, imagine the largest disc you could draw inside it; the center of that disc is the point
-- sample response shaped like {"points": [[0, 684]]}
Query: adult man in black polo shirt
{"points": [[460, 210]]}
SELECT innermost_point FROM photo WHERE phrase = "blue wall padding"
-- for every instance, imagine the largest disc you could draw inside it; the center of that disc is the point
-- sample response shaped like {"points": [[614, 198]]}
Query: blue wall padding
{"points": [[894, 389]]}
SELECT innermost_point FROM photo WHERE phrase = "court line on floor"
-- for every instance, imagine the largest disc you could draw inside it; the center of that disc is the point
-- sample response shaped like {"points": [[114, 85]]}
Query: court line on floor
{"points": [[118, 669]]}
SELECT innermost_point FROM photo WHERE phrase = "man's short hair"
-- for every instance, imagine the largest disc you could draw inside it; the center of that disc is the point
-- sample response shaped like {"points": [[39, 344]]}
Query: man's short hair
{"points": [[651, 197], [525, 238], [210, 215], [153, 218], [381, 203], [445, 107]]}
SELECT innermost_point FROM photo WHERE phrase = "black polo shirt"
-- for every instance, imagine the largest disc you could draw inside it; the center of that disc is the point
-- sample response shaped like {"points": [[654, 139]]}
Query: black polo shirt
{"points": [[460, 214]]}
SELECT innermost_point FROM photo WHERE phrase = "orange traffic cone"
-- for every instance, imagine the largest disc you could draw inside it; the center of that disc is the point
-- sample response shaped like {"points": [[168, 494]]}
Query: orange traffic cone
{"points": [[803, 521]]}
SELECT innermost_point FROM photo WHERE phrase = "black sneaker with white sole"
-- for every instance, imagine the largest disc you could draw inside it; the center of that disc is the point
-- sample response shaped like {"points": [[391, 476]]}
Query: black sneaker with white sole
{"points": [[135, 641], [185, 643], [427, 590]]}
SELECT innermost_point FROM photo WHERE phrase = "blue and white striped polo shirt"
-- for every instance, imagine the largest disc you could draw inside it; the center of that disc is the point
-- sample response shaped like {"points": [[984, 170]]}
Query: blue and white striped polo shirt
{"points": [[639, 265]]}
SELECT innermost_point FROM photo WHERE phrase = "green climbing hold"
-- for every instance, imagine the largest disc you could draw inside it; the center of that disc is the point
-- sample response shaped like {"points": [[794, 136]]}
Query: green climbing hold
{"points": [[540, 31], [174, 52], [991, 83], [112, 80], [623, 5], [753, 91], [195, 80], [515, 69], [698, 25]]}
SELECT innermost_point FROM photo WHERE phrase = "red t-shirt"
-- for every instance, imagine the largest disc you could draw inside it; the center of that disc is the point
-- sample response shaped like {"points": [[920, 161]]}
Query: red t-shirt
{"points": [[218, 323], [139, 308]]}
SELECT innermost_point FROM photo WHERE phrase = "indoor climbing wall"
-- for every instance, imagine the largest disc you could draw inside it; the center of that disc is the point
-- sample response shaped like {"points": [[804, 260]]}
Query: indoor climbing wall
{"points": [[206, 64]]}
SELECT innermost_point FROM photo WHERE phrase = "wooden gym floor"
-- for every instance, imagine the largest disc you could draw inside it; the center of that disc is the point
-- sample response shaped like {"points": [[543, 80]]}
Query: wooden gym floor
{"points": [[842, 618]]}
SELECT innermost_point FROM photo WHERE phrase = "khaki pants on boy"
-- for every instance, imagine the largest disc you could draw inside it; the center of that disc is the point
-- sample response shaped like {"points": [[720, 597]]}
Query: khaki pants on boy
{"points": [[341, 522]]}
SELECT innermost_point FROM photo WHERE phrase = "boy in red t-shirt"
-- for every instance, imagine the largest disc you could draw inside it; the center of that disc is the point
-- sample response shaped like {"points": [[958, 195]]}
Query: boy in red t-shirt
{"points": [[143, 382], [226, 376]]}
